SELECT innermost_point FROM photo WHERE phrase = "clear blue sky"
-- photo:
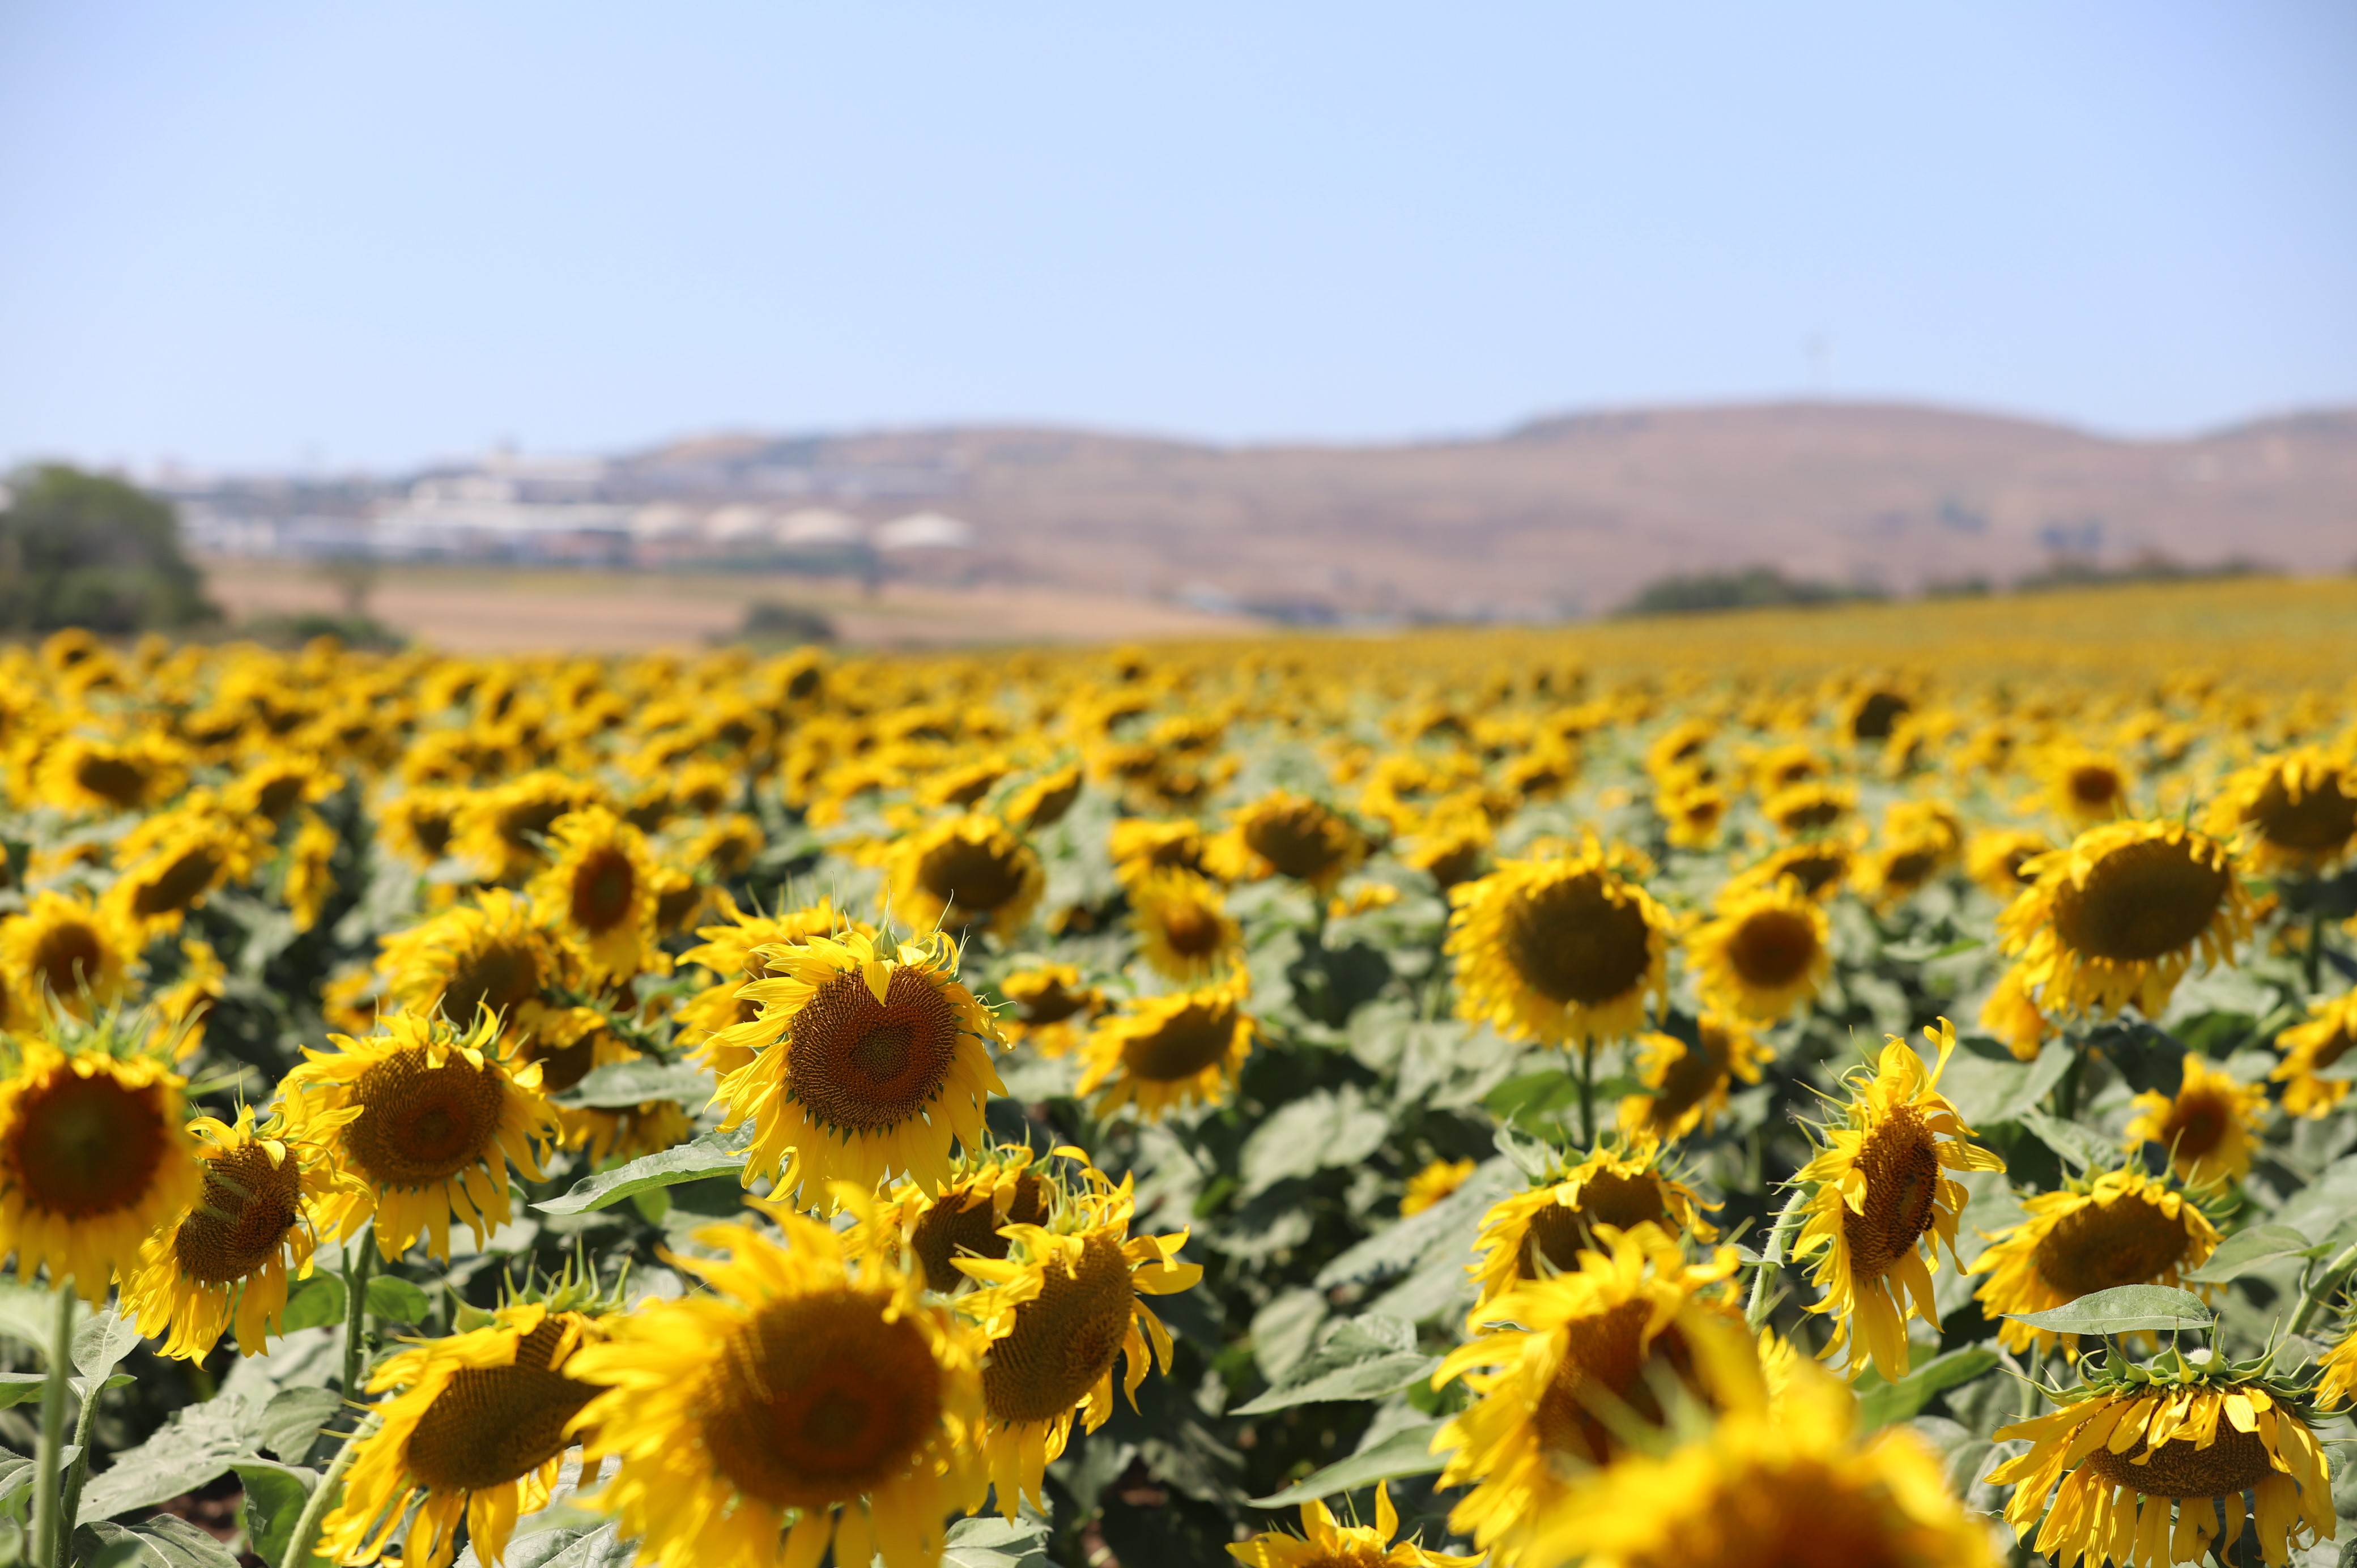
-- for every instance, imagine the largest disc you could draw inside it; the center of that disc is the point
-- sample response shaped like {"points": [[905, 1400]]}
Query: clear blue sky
{"points": [[253, 234]]}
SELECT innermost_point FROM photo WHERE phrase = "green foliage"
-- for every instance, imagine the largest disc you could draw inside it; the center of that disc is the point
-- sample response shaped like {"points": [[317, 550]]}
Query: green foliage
{"points": [[1755, 587], [82, 550]]}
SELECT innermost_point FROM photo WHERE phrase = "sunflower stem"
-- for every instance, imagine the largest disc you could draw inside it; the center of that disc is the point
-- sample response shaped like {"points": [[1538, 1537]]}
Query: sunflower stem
{"points": [[2313, 1298], [1587, 1096], [48, 1468], [356, 1273], [2066, 1090], [300, 1544], [69, 1494], [2314, 956], [1771, 1257]]}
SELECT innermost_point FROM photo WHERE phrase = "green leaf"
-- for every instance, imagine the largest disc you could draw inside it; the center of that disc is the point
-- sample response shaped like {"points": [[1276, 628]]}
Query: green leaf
{"points": [[395, 1300], [164, 1542], [316, 1303], [1407, 1451], [995, 1543], [1988, 1085], [1532, 1099], [2254, 1248], [1363, 1358], [622, 1085], [1885, 1403], [713, 1155], [15, 1388], [1324, 1131], [275, 1495], [200, 1443], [2082, 1148], [29, 1314], [291, 1422], [1926, 952], [100, 1342], [16, 1474], [2123, 1309]]}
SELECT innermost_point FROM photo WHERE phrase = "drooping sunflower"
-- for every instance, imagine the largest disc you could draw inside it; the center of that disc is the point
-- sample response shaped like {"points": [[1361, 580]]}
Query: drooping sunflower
{"points": [[1765, 954], [2120, 914], [442, 1117], [83, 774], [172, 862], [1285, 834], [1438, 1179], [1995, 855], [1056, 1309], [1809, 808], [1162, 1052], [2107, 1471], [1781, 1482], [1820, 868], [2118, 1228], [93, 1156], [2309, 1049], [989, 1189], [501, 828], [811, 1396], [1323, 1543], [1564, 951], [599, 891], [1052, 1009], [1881, 1200], [1140, 844], [870, 1060], [1044, 800], [1542, 1233], [1631, 1317], [2296, 812], [65, 951], [2208, 1128], [1184, 930], [476, 1433], [967, 872], [1690, 1082], [227, 1257], [487, 955], [732, 953]]}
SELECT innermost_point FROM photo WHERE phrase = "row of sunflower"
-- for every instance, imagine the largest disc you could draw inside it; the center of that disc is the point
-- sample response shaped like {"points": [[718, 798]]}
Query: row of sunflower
{"points": [[733, 1111]]}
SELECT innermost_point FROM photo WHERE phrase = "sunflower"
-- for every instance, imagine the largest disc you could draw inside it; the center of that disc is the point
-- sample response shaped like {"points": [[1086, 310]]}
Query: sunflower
{"points": [[1053, 1008], [82, 775], [488, 956], [869, 1060], [279, 783], [1542, 1233], [570, 1045], [2085, 788], [63, 950], [171, 863], [1690, 1082], [988, 1189], [476, 1433], [1881, 1196], [2118, 1228], [2338, 1380], [2118, 917], [1140, 844], [1676, 753], [1170, 1050], [1451, 844], [2296, 812], [2208, 1129], [1777, 1482], [2312, 1047], [732, 953], [500, 829], [1781, 767], [310, 873], [419, 823], [1995, 855], [1184, 929], [1820, 868], [809, 1385], [1693, 815], [1809, 808], [1285, 834], [724, 847], [965, 873], [1564, 950], [1322, 1543], [1436, 1180], [1765, 953], [93, 1158], [598, 892], [1058, 1308], [187, 1005], [1043, 800], [2118, 1459], [227, 1255], [442, 1117], [1631, 1321]]}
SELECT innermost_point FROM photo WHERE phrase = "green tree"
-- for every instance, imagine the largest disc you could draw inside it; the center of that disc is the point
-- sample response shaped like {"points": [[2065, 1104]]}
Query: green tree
{"points": [[79, 549]]}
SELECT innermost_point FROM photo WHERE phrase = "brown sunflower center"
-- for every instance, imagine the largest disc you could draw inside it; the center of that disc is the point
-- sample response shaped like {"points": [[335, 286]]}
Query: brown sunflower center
{"points": [[1604, 1364], [490, 1426], [946, 1231], [180, 883], [1772, 947], [1049, 807], [1878, 713], [855, 1063], [68, 957], [1192, 930], [502, 975], [1909, 867], [1561, 1231], [420, 1124], [2140, 901], [675, 903], [1065, 1339], [604, 889], [1575, 941], [519, 823], [2094, 787], [819, 1399], [87, 1146], [973, 878], [2102, 1245], [1303, 840], [2235, 1462], [1052, 1006], [1814, 871], [431, 830], [1689, 1080], [250, 1203], [562, 1067], [2321, 820], [113, 780], [277, 796], [1182, 1046], [1807, 815], [1901, 1167], [2197, 1124]]}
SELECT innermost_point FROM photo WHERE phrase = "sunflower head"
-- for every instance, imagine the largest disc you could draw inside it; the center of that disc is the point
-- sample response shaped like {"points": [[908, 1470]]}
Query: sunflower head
{"points": [[1452, 845], [1141, 844], [966, 873], [2208, 1129], [1285, 834], [172, 862], [2086, 788], [1765, 954], [2296, 812], [1543, 1232], [731, 953], [1053, 1008], [486, 957], [1820, 868], [1184, 930], [1164, 1052], [503, 829], [1565, 949], [419, 823], [2114, 1227], [1323, 1543], [1438, 1179], [599, 891], [2313, 1047], [988, 1189], [64, 952], [1689, 1081], [1995, 855], [1882, 1200], [1809, 808], [1693, 814]]}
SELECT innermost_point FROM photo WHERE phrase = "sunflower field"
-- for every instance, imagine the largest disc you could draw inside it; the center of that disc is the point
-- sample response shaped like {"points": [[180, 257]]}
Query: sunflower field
{"points": [[1851, 1088]]}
